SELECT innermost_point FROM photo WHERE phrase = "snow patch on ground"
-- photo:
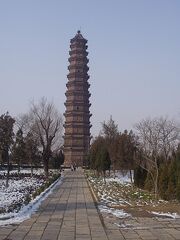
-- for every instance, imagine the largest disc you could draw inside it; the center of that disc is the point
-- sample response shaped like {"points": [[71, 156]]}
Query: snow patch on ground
{"points": [[121, 177], [39, 171], [116, 193], [28, 210], [119, 213], [108, 198], [17, 190], [171, 215]]}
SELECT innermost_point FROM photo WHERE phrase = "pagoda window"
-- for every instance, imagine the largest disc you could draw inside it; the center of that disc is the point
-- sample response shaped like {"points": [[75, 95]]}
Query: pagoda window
{"points": [[75, 130], [80, 118], [79, 97], [80, 130]]}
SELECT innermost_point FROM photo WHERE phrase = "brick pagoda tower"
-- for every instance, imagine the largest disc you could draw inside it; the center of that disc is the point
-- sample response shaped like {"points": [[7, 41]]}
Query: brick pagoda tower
{"points": [[77, 115]]}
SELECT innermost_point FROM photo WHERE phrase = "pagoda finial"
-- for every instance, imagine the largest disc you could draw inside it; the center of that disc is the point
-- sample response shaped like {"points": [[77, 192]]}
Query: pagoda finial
{"points": [[78, 36]]}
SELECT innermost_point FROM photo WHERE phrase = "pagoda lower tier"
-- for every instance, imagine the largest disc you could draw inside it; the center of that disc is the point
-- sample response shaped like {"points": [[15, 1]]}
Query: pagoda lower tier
{"points": [[76, 148]]}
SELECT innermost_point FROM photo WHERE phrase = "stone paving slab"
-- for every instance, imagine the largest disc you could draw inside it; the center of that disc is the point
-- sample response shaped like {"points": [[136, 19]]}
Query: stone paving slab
{"points": [[67, 214], [71, 214]]}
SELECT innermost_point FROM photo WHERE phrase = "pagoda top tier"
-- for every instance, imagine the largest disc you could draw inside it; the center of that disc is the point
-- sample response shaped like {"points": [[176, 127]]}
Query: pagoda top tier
{"points": [[78, 37]]}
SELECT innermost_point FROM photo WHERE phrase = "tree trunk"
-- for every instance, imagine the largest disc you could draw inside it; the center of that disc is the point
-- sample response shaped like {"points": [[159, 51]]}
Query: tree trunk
{"points": [[113, 168], [18, 168], [46, 157], [131, 175], [31, 170], [46, 167], [156, 182], [97, 172], [8, 168], [114, 173], [104, 176]]}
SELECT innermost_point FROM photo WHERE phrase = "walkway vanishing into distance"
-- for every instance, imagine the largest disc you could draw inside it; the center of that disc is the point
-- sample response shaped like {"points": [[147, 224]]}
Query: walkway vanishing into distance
{"points": [[70, 214]]}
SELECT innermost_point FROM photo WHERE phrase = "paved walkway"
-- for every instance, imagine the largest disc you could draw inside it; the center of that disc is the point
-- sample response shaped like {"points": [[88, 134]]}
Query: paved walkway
{"points": [[70, 214]]}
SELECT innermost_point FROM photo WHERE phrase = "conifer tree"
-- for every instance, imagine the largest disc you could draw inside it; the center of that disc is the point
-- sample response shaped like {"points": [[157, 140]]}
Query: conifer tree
{"points": [[103, 159], [163, 181], [178, 173], [140, 175], [110, 133], [171, 188], [32, 151], [18, 149], [6, 139], [99, 156]]}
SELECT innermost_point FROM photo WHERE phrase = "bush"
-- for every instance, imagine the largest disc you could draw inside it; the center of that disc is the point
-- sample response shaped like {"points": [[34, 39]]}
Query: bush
{"points": [[48, 182], [169, 179], [149, 185], [163, 181], [178, 189], [27, 199], [139, 177]]}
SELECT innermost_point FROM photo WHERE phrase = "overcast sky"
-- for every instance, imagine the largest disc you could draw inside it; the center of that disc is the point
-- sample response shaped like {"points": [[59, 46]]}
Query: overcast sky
{"points": [[134, 53]]}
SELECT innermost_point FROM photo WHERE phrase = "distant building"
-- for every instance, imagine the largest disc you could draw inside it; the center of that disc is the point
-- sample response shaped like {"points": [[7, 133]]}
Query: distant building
{"points": [[77, 115]]}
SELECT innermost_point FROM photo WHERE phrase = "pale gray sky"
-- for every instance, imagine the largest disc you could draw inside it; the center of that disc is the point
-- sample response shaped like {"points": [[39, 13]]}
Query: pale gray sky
{"points": [[134, 54]]}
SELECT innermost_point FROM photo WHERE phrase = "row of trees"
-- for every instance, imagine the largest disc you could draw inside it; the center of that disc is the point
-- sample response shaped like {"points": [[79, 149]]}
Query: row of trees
{"points": [[151, 151], [38, 135], [112, 149]]}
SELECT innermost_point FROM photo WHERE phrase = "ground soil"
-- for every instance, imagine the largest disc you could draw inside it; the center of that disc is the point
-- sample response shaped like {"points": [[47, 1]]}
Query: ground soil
{"points": [[146, 211]]}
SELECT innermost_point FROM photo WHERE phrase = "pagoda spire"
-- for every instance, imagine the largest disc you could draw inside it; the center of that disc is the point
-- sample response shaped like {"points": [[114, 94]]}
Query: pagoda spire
{"points": [[77, 115]]}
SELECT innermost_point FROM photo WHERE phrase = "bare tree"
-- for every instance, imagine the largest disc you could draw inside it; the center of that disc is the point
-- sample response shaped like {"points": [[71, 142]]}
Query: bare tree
{"points": [[169, 132], [32, 149], [156, 136], [23, 122], [46, 124]]}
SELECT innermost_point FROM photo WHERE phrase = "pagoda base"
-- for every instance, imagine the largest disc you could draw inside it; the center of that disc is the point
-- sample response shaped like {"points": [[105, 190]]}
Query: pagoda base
{"points": [[74, 159]]}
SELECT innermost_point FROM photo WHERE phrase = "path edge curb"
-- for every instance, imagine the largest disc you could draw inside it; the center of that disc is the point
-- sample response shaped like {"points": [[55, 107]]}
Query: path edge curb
{"points": [[95, 199]]}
